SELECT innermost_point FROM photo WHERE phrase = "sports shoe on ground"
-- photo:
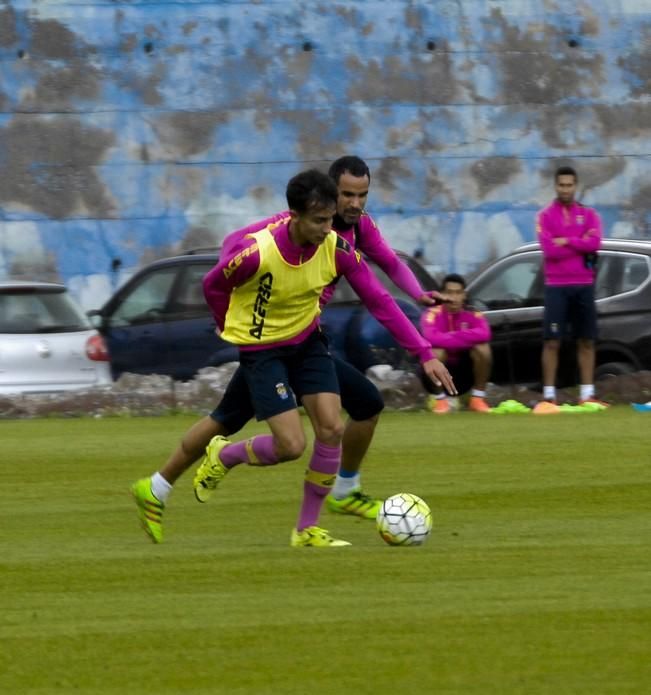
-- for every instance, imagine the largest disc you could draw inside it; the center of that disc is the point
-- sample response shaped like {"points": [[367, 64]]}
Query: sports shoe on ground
{"points": [[357, 504], [150, 509], [546, 408], [478, 405], [599, 405], [314, 537], [439, 406], [211, 470]]}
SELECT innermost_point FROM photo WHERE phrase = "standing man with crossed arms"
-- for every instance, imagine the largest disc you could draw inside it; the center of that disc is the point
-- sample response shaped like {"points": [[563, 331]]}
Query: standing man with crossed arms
{"points": [[570, 236]]}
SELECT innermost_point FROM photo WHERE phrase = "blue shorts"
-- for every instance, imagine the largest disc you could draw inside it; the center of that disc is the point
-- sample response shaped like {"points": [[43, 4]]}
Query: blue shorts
{"points": [[278, 376], [570, 310], [360, 398]]}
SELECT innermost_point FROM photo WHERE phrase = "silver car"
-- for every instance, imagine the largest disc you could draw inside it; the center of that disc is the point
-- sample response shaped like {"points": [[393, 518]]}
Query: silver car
{"points": [[46, 341]]}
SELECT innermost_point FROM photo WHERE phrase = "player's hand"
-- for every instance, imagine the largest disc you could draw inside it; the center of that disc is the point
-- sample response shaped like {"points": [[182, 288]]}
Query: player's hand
{"points": [[431, 298], [560, 241], [438, 373]]}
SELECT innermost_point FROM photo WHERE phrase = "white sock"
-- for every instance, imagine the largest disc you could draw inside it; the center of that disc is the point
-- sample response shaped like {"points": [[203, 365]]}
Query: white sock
{"points": [[549, 393], [479, 393], [160, 488], [587, 391], [344, 486]]}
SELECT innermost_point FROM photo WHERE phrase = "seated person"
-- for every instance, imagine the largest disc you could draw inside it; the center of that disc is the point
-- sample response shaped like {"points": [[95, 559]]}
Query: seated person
{"points": [[460, 337]]}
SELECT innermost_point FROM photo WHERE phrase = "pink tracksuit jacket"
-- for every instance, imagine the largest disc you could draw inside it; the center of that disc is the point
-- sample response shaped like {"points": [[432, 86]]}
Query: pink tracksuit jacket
{"points": [[581, 226], [454, 331]]}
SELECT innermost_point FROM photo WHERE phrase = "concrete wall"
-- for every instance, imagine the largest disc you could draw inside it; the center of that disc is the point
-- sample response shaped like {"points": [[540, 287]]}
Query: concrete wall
{"points": [[134, 129]]}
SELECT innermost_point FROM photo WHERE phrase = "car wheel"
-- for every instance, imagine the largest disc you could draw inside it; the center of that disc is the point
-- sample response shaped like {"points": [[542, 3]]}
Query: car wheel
{"points": [[613, 369]]}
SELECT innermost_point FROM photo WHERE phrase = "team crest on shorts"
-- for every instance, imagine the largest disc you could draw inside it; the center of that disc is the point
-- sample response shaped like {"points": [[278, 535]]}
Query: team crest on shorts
{"points": [[281, 390], [554, 328]]}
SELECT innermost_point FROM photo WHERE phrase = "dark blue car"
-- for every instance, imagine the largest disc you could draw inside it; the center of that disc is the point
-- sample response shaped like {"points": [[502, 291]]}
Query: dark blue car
{"points": [[158, 322]]}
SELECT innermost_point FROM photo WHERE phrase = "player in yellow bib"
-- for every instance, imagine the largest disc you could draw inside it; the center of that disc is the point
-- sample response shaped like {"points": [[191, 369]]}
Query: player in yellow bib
{"points": [[264, 295]]}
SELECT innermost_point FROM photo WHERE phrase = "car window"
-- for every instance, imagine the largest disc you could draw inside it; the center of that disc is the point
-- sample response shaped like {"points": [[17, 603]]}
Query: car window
{"points": [[389, 285], [147, 300], [39, 311], [344, 293], [188, 299], [423, 276], [510, 285], [618, 273]]}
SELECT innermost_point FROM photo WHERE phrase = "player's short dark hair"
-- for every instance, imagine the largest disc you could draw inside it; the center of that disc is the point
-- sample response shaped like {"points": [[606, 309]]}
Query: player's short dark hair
{"points": [[311, 188], [351, 164], [566, 171], [454, 277]]}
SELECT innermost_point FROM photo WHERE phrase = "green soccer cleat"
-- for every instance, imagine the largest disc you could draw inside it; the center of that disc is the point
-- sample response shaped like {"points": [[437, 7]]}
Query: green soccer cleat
{"points": [[314, 537], [357, 504], [211, 470], [150, 509]]}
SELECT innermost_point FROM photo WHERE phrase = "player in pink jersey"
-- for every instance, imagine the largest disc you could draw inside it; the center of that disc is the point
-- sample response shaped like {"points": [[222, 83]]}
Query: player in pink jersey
{"points": [[570, 235], [264, 296], [360, 398]]}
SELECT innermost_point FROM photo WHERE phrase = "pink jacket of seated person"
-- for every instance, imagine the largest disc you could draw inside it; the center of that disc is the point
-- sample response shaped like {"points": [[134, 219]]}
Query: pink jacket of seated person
{"points": [[454, 332]]}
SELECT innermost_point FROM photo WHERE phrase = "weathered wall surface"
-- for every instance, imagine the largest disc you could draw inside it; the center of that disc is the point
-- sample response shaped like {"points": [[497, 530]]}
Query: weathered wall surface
{"points": [[134, 129]]}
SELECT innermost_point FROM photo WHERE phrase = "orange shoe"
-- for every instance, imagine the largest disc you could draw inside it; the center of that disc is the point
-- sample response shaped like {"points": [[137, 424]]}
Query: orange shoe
{"points": [[594, 401], [440, 406], [478, 405]]}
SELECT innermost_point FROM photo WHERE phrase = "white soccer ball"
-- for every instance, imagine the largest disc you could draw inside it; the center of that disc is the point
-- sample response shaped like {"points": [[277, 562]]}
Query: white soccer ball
{"points": [[404, 519]]}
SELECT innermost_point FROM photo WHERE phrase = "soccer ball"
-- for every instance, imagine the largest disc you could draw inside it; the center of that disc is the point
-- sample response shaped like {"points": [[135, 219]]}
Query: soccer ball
{"points": [[404, 519]]}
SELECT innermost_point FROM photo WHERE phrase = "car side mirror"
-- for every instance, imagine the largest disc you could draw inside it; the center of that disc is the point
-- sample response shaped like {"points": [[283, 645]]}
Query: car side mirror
{"points": [[95, 317]]}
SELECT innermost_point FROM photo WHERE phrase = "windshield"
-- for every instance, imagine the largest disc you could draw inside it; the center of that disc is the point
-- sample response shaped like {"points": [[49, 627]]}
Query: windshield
{"points": [[38, 310]]}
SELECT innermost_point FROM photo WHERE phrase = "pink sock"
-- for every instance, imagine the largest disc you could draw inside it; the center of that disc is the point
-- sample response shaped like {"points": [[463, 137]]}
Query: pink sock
{"points": [[319, 479], [258, 451]]}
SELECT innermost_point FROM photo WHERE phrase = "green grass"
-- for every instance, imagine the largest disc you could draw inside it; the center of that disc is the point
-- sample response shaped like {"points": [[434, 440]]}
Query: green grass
{"points": [[537, 577]]}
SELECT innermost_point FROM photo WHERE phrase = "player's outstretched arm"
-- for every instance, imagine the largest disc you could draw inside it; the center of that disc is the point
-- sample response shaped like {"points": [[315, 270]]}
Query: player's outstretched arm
{"points": [[384, 308]]}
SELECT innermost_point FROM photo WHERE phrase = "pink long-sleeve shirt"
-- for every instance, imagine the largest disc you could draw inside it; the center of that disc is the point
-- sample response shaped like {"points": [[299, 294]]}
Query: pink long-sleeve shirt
{"points": [[219, 285], [454, 331], [581, 226], [364, 236]]}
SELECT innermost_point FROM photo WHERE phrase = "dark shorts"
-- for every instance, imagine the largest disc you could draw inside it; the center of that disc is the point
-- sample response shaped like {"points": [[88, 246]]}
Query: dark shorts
{"points": [[359, 398], [570, 310], [278, 376], [235, 408], [461, 371]]}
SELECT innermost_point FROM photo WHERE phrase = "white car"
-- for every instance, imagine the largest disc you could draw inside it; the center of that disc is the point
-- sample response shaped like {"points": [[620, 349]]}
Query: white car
{"points": [[47, 343]]}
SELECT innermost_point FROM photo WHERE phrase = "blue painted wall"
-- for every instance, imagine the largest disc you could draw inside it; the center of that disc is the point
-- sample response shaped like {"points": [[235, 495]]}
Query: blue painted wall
{"points": [[134, 129]]}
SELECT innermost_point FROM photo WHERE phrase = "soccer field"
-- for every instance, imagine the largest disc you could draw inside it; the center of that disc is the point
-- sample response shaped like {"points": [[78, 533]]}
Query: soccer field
{"points": [[536, 578]]}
